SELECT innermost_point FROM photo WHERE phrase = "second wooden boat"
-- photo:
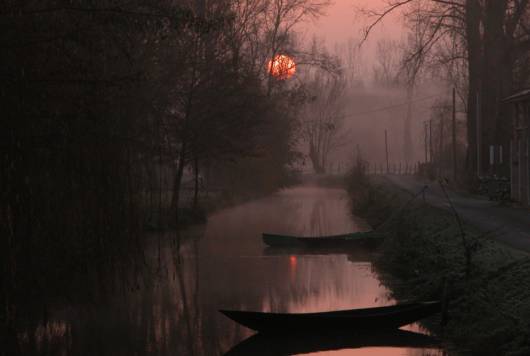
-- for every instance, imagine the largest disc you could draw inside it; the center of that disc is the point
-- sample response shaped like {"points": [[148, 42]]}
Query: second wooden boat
{"points": [[368, 239], [379, 318]]}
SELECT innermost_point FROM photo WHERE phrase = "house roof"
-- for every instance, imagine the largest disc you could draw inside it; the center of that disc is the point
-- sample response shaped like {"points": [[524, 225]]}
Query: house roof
{"points": [[522, 95]]}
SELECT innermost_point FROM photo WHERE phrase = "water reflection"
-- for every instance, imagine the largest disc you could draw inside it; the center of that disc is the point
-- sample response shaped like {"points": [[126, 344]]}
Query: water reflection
{"points": [[312, 343], [171, 307]]}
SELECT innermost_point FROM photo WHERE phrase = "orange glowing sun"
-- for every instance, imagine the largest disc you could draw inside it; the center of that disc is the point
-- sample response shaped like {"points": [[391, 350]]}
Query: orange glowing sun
{"points": [[282, 66]]}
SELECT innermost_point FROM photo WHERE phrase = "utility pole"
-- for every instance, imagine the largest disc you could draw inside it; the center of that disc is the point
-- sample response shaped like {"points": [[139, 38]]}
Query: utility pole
{"points": [[479, 138], [441, 149], [426, 141], [386, 150], [455, 173], [430, 141]]}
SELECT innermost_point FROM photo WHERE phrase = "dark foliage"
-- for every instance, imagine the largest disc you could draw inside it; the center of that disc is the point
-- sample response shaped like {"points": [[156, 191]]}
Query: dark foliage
{"points": [[99, 101]]}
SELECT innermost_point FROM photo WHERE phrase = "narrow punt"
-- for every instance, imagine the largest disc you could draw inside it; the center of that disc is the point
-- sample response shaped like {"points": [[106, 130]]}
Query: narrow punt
{"points": [[368, 238], [379, 318]]}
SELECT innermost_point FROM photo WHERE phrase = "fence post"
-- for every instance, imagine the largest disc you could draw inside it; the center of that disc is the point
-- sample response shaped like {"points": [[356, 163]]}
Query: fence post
{"points": [[386, 151], [454, 138]]}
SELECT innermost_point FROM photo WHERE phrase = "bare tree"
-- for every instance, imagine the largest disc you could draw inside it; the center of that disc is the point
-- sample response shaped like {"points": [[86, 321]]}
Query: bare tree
{"points": [[387, 65], [281, 18], [396, 68], [492, 36], [322, 117]]}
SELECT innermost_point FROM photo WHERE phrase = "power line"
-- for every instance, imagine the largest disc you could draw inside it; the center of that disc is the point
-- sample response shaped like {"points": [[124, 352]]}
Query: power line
{"points": [[389, 107]]}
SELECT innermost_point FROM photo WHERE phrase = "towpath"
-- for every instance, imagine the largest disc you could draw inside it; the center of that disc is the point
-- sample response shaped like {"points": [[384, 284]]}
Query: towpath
{"points": [[510, 225]]}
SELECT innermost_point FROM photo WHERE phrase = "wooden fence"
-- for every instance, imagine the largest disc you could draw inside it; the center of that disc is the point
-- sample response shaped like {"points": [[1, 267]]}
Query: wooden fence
{"points": [[401, 168]]}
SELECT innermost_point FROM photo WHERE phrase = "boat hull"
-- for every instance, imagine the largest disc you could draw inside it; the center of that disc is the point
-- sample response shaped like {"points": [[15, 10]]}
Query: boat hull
{"points": [[356, 319], [364, 239]]}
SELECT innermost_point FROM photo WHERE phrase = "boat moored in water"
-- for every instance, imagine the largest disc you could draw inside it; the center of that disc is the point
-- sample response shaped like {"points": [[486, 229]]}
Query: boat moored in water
{"points": [[364, 239], [377, 318]]}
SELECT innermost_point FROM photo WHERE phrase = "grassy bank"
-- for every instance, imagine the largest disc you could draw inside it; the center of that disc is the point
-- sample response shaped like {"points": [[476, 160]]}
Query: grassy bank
{"points": [[488, 284]]}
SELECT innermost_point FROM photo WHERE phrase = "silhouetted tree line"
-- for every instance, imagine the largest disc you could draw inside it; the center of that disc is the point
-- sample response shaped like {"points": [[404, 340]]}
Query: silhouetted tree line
{"points": [[97, 96]]}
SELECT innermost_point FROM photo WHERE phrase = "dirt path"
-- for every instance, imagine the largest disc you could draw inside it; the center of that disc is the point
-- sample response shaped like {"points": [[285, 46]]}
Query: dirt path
{"points": [[511, 225]]}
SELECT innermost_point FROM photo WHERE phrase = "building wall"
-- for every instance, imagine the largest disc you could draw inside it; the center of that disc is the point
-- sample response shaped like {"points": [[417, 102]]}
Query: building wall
{"points": [[520, 172]]}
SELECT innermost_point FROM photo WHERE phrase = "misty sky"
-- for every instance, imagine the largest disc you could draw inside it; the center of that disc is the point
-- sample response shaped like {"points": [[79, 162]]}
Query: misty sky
{"points": [[341, 23]]}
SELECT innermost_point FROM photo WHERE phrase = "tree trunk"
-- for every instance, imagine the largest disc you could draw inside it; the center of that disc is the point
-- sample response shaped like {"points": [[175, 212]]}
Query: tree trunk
{"points": [[407, 136], [196, 185], [474, 54], [314, 155], [177, 182], [493, 86]]}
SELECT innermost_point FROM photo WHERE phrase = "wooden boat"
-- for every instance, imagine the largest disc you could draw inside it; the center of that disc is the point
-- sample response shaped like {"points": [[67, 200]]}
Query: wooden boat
{"points": [[378, 318], [367, 239], [303, 343]]}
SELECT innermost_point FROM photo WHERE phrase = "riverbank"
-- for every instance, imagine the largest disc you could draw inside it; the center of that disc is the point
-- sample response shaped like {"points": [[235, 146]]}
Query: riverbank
{"points": [[428, 249], [90, 265], [159, 216]]}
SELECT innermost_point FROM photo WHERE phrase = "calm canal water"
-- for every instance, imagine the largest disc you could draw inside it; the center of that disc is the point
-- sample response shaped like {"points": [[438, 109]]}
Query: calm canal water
{"points": [[170, 307]]}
